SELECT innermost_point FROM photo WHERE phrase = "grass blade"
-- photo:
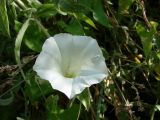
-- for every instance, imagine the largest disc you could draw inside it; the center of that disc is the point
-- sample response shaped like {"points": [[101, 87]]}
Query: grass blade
{"points": [[18, 45], [4, 23]]}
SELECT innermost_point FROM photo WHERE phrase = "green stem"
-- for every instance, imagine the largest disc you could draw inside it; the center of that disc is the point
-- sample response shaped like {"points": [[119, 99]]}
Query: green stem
{"points": [[42, 28], [12, 88], [153, 111], [71, 102]]}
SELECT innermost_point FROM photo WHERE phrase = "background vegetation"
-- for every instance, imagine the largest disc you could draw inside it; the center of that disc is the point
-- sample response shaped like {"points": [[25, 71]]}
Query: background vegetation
{"points": [[128, 32]]}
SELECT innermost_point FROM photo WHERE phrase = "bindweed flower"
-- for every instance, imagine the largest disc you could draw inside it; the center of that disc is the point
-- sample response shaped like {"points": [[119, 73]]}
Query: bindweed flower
{"points": [[71, 63]]}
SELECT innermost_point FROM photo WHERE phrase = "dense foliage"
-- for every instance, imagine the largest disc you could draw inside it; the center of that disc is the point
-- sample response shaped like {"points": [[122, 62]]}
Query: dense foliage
{"points": [[129, 36]]}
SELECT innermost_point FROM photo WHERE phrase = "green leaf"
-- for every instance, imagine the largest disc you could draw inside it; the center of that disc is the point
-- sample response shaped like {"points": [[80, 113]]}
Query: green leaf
{"points": [[51, 104], [158, 107], [86, 19], [124, 5], [71, 113], [72, 7], [87, 3], [99, 14], [7, 100], [158, 55], [105, 53], [4, 23], [34, 40], [146, 38], [85, 98], [54, 112], [74, 27], [157, 42], [46, 10], [17, 25], [12, 14], [36, 88], [157, 71]]}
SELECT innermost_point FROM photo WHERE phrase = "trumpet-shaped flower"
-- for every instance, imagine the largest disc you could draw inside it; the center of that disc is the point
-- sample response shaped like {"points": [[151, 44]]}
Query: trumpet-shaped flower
{"points": [[71, 63]]}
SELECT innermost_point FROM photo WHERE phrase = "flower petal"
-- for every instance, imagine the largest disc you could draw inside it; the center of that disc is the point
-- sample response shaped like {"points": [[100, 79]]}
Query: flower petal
{"points": [[81, 82], [49, 58], [57, 81], [65, 54], [95, 65], [93, 68], [64, 42], [86, 47], [89, 54], [93, 62], [76, 50]]}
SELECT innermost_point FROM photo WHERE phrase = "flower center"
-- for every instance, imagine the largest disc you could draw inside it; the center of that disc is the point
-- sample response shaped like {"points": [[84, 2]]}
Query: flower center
{"points": [[70, 75], [69, 71]]}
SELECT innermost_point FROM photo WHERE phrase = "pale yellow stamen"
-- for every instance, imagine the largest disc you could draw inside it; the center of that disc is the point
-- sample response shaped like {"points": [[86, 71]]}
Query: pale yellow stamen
{"points": [[70, 75]]}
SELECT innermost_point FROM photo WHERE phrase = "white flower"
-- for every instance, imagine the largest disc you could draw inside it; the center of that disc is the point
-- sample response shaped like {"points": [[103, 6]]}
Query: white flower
{"points": [[71, 63]]}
